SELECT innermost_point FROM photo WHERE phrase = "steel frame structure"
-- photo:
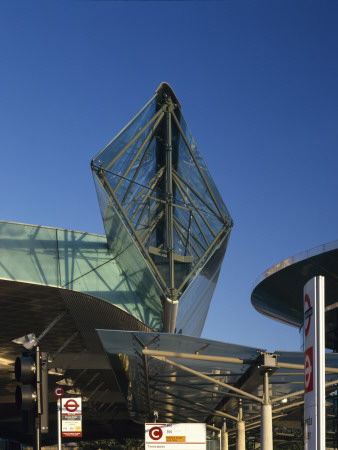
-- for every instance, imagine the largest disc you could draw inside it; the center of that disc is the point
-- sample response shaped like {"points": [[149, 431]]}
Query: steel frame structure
{"points": [[177, 223]]}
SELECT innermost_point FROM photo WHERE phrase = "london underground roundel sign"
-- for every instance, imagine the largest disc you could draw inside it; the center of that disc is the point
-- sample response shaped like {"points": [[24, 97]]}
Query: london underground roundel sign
{"points": [[71, 405], [308, 370]]}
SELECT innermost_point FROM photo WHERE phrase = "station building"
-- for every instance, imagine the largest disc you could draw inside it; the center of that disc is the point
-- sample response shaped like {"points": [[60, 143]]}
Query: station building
{"points": [[121, 315]]}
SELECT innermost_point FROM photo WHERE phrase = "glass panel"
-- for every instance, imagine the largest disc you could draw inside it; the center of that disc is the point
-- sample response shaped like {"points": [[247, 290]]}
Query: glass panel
{"points": [[110, 283], [142, 292], [125, 135], [81, 262], [200, 161], [213, 443], [194, 304], [80, 254], [28, 253]]}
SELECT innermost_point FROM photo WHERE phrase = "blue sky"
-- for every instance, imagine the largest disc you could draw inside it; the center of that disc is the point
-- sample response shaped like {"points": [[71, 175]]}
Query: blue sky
{"points": [[258, 85]]}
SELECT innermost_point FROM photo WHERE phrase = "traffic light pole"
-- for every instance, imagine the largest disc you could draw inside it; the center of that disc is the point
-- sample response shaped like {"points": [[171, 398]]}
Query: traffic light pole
{"points": [[37, 437], [39, 405], [31, 369], [44, 392]]}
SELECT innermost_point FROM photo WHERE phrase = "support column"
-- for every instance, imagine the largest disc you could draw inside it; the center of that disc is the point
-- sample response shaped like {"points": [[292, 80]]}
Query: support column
{"points": [[266, 417], [169, 206], [240, 427], [172, 303], [224, 437]]}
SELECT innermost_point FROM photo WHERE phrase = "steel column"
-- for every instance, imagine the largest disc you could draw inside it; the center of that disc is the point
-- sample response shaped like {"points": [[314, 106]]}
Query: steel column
{"points": [[266, 427], [171, 304], [266, 417], [224, 437], [170, 207], [240, 428]]}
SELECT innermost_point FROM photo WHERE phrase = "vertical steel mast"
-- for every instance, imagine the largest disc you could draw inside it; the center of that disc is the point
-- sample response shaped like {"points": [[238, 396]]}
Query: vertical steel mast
{"points": [[171, 301]]}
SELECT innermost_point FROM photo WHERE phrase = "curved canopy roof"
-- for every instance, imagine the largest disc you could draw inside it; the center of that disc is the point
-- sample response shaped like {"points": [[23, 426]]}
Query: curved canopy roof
{"points": [[64, 323], [278, 292], [80, 262], [190, 379]]}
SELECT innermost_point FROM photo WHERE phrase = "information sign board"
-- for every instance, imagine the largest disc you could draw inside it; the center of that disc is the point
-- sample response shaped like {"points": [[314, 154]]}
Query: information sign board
{"points": [[71, 409], [175, 436]]}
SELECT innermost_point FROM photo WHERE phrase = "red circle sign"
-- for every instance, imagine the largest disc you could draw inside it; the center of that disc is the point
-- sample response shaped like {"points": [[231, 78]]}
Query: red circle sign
{"points": [[307, 300], [155, 433], [71, 405], [58, 391], [308, 371]]}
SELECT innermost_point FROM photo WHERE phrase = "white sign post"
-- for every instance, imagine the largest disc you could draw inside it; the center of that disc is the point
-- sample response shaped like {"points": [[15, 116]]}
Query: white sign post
{"points": [[59, 392], [314, 364], [71, 417], [175, 436]]}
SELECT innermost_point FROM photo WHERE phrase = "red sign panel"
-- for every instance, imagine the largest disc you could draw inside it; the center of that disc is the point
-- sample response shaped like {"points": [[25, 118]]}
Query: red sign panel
{"points": [[308, 370], [58, 391], [155, 433]]}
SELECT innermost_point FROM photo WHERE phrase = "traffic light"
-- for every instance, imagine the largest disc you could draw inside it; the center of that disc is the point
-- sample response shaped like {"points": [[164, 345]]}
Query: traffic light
{"points": [[27, 371], [31, 369]]}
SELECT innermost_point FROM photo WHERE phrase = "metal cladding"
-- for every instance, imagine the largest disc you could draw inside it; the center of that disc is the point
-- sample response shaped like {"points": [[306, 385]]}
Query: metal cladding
{"points": [[162, 211]]}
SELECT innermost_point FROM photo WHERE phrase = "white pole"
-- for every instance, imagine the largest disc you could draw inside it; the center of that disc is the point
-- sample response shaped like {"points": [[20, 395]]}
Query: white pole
{"points": [[240, 435], [58, 408], [266, 417], [224, 437], [266, 429], [240, 426], [314, 364]]}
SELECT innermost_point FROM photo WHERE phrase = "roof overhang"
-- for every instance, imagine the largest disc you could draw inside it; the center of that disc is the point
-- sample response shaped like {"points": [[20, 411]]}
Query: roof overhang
{"points": [[278, 292], [191, 379], [64, 323]]}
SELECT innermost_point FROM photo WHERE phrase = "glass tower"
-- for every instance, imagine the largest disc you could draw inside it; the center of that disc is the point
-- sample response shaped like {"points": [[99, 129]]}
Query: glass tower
{"points": [[163, 215]]}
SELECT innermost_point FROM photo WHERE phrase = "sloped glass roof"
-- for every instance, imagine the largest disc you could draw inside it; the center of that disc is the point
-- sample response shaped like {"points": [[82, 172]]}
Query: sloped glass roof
{"points": [[159, 371], [172, 391]]}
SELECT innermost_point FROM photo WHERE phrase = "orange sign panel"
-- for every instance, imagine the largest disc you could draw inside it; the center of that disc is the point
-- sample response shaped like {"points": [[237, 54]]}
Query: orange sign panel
{"points": [[175, 438]]}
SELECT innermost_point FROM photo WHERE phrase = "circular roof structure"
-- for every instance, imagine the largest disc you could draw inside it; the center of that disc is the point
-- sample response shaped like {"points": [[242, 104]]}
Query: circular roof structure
{"points": [[278, 292]]}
